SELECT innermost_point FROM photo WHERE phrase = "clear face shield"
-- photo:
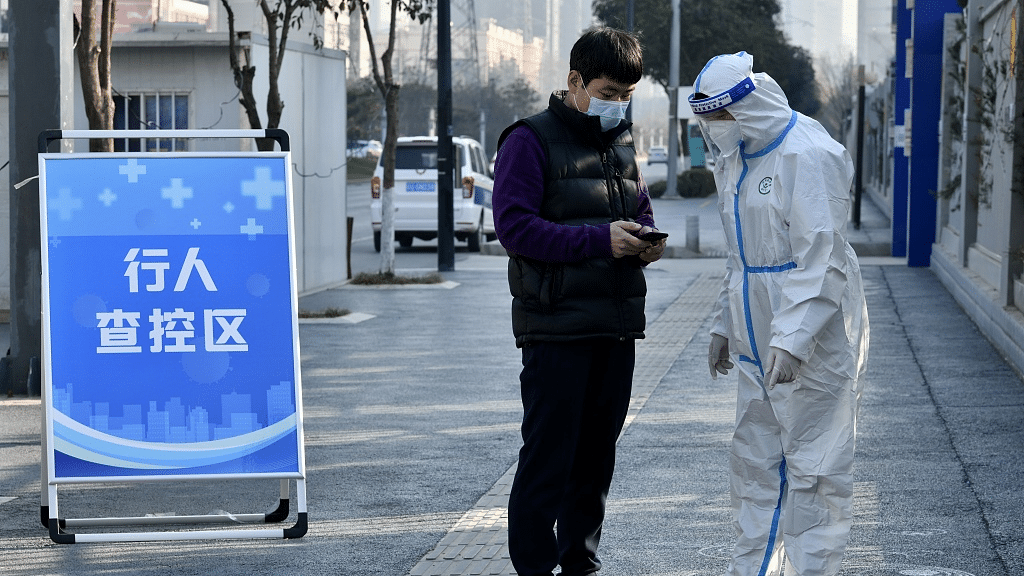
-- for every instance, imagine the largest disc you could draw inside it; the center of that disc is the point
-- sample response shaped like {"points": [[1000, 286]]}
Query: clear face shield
{"points": [[721, 134], [714, 138]]}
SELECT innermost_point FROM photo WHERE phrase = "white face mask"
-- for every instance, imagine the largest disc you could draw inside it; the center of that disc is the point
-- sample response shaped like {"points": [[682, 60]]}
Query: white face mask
{"points": [[725, 134], [610, 111]]}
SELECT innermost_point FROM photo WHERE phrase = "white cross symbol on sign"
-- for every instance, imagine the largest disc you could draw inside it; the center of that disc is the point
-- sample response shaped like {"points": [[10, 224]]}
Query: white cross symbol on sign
{"points": [[107, 197], [263, 188], [176, 193], [195, 223], [251, 228], [132, 169], [65, 204]]}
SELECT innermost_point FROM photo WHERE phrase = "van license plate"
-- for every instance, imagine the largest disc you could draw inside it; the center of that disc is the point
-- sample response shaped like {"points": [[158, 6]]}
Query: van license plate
{"points": [[421, 186]]}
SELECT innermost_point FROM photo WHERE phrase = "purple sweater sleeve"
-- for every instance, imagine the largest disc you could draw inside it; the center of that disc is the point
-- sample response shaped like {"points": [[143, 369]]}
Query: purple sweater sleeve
{"points": [[517, 198], [518, 195], [645, 213]]}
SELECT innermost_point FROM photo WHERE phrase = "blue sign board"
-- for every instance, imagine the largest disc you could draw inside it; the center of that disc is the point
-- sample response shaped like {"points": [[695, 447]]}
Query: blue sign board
{"points": [[170, 327]]}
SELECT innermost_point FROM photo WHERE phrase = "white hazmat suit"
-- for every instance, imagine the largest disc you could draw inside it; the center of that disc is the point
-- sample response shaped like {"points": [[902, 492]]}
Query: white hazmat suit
{"points": [[793, 284]]}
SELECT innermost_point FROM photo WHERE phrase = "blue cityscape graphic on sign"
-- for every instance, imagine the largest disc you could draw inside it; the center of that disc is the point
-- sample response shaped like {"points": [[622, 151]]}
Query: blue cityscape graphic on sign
{"points": [[177, 422], [170, 313]]}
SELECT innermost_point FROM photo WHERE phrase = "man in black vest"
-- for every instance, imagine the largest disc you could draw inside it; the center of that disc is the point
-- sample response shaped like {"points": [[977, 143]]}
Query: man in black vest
{"points": [[570, 207]]}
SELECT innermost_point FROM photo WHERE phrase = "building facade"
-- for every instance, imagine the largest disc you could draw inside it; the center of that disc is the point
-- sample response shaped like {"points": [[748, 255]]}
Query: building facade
{"points": [[944, 157], [979, 240], [177, 75]]}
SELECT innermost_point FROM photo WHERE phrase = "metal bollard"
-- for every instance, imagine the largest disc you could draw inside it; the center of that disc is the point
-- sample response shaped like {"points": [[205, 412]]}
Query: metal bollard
{"points": [[693, 233], [349, 224], [5, 375], [34, 377]]}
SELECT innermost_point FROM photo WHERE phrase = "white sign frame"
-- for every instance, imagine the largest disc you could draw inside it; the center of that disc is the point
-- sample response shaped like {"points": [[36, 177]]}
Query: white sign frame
{"points": [[196, 456]]}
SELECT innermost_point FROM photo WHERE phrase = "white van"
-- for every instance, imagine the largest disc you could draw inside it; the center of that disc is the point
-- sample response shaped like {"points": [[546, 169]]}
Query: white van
{"points": [[415, 192]]}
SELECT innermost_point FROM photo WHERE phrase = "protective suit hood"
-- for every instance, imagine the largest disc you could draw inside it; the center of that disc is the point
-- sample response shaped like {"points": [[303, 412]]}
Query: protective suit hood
{"points": [[763, 112]]}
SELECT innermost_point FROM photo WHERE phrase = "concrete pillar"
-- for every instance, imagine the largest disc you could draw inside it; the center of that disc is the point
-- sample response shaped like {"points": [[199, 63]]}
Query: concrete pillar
{"points": [[967, 217], [673, 100], [901, 103], [1013, 211], [40, 77]]}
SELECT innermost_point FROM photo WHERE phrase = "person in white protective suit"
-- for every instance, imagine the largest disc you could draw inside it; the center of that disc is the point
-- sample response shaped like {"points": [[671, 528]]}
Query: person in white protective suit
{"points": [[792, 314]]}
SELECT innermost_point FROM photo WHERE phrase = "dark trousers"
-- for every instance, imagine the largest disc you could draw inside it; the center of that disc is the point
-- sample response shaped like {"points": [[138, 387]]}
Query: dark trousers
{"points": [[575, 398]]}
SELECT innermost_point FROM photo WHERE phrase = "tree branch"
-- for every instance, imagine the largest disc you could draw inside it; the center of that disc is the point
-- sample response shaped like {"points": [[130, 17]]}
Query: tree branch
{"points": [[373, 50], [389, 53], [286, 23]]}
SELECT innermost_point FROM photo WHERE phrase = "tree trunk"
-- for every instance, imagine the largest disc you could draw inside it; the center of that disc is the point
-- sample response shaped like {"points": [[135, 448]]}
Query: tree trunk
{"points": [[389, 91], [244, 75], [94, 65], [387, 193], [277, 34]]}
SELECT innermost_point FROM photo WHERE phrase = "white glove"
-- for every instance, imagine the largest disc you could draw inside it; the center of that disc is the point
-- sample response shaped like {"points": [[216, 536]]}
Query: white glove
{"points": [[718, 356], [780, 367]]}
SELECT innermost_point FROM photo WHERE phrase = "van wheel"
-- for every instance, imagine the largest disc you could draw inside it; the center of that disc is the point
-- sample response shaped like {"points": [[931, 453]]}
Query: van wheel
{"points": [[405, 241], [476, 237], [376, 241]]}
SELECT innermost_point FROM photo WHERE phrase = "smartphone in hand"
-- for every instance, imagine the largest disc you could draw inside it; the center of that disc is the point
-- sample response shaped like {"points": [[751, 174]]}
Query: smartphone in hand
{"points": [[653, 236]]}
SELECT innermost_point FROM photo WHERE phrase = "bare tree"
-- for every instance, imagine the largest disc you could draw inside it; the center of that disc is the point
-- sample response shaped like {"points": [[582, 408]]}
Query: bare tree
{"points": [[418, 10], [838, 89], [94, 64], [280, 19]]}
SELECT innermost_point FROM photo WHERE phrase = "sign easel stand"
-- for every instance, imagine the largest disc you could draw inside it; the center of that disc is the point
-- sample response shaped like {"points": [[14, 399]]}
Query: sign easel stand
{"points": [[288, 428]]}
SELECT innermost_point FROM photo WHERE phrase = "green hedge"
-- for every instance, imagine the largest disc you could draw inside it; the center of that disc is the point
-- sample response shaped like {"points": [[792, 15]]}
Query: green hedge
{"points": [[361, 168], [696, 183]]}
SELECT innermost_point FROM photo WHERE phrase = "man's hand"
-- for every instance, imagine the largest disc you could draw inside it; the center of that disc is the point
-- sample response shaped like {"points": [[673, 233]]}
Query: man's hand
{"points": [[624, 243], [654, 250], [718, 356], [780, 367]]}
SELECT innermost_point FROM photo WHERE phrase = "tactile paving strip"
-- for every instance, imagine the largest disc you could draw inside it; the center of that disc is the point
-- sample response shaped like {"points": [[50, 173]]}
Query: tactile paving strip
{"points": [[478, 543]]}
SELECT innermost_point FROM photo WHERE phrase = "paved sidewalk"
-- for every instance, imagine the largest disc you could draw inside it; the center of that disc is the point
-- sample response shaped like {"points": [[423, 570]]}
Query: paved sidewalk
{"points": [[939, 447], [411, 425], [478, 543]]}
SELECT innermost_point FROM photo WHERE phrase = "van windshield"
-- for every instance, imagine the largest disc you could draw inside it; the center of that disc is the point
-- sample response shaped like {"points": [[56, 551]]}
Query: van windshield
{"points": [[416, 158]]}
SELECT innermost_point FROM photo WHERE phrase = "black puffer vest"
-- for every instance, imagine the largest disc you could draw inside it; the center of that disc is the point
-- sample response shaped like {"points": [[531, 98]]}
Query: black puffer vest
{"points": [[591, 179]]}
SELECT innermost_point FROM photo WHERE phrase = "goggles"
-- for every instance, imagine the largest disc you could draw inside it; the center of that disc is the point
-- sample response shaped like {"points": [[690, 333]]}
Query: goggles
{"points": [[734, 94]]}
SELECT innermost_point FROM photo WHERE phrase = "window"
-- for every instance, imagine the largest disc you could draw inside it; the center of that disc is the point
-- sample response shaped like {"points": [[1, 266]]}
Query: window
{"points": [[480, 165], [416, 157], [474, 160], [151, 112]]}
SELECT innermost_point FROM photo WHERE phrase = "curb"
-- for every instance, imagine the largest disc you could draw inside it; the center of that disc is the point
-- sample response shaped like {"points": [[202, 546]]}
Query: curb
{"points": [[872, 248]]}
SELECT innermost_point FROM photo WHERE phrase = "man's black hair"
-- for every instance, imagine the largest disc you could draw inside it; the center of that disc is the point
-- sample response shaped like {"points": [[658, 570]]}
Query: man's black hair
{"points": [[607, 52]]}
